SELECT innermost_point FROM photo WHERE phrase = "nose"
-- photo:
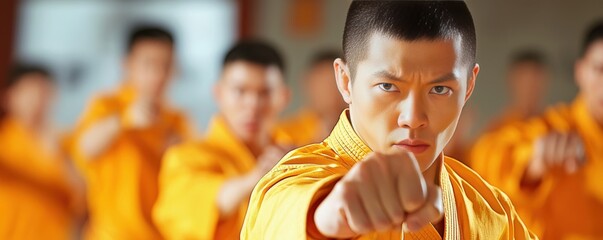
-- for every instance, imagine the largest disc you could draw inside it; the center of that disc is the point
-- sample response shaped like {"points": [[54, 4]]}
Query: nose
{"points": [[255, 101], [412, 112]]}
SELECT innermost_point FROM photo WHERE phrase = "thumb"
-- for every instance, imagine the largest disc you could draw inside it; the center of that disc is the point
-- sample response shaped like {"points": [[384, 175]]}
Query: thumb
{"points": [[431, 212]]}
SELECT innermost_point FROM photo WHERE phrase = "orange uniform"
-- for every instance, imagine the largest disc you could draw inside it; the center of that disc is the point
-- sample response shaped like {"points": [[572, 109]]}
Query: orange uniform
{"points": [[190, 181], [303, 127], [122, 181], [563, 206], [36, 198], [284, 200]]}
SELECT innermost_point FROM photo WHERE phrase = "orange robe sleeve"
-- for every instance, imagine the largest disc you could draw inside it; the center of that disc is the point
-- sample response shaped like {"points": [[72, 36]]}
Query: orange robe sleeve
{"points": [[502, 156], [285, 197], [98, 109], [187, 208], [35, 194]]}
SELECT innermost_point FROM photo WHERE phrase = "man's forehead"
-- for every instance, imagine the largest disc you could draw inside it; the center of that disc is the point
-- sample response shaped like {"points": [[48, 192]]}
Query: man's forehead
{"points": [[249, 73], [396, 56]]}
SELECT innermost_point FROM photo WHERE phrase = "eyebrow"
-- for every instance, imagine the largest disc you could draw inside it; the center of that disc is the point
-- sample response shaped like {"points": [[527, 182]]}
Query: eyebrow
{"points": [[443, 78]]}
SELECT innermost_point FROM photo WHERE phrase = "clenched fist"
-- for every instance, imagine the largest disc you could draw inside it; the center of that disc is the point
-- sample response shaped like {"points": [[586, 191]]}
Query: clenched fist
{"points": [[382, 192], [562, 151]]}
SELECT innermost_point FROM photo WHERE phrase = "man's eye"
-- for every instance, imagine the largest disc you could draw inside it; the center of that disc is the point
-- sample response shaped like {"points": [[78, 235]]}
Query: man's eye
{"points": [[440, 90], [388, 87]]}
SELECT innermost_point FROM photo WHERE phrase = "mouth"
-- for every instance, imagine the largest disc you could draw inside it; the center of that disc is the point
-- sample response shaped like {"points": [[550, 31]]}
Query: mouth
{"points": [[414, 146]]}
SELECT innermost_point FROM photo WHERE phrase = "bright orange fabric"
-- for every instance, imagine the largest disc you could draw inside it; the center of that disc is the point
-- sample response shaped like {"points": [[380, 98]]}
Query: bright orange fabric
{"points": [[122, 181], [564, 206], [35, 195], [281, 202], [303, 127], [191, 178]]}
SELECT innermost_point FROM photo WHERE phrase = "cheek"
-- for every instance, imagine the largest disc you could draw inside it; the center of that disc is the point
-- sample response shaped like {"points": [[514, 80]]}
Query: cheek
{"points": [[376, 116], [443, 118], [227, 101]]}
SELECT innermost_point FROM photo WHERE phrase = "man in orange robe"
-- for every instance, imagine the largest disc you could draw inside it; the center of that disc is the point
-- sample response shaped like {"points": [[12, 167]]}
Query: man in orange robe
{"points": [[40, 195], [551, 165], [205, 185], [120, 140], [316, 119], [409, 69]]}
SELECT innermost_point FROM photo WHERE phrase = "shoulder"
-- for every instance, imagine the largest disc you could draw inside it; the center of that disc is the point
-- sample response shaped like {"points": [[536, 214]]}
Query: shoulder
{"points": [[318, 155], [556, 117], [193, 153]]}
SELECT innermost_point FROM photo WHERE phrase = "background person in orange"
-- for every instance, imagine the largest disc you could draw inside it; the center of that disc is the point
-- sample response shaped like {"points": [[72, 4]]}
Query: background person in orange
{"points": [[527, 81], [409, 69], [120, 140], [323, 104], [205, 185], [40, 195], [551, 165]]}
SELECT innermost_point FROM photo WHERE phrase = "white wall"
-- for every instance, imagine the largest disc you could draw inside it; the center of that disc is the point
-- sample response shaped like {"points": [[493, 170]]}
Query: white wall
{"points": [[83, 42]]}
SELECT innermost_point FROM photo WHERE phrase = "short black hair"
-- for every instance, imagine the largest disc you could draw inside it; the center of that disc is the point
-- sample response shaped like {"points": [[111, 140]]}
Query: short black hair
{"points": [[19, 70], [148, 32], [529, 55], [327, 55], [406, 20], [255, 51], [595, 33]]}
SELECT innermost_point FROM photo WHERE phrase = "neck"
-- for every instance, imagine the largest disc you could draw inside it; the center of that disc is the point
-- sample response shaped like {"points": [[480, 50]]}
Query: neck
{"points": [[257, 145], [433, 172], [327, 121]]}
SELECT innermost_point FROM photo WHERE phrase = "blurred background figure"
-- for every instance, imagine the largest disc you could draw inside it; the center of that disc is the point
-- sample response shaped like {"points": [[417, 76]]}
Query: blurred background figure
{"points": [[120, 140], [528, 80], [205, 185], [322, 102], [41, 196], [551, 165]]}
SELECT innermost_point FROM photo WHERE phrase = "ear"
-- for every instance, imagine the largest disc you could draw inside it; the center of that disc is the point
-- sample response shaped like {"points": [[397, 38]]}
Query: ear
{"points": [[471, 82], [344, 81]]}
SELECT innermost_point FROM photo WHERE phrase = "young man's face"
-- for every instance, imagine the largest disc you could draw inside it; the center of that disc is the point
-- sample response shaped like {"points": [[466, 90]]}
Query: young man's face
{"points": [[149, 67], [321, 89], [528, 84], [31, 98], [407, 94], [246, 96], [589, 76]]}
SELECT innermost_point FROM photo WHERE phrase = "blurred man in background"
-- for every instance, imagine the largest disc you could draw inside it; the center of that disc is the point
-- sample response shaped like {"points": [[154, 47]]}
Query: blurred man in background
{"points": [[120, 140], [205, 185], [527, 80], [40, 195], [323, 104], [551, 165]]}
